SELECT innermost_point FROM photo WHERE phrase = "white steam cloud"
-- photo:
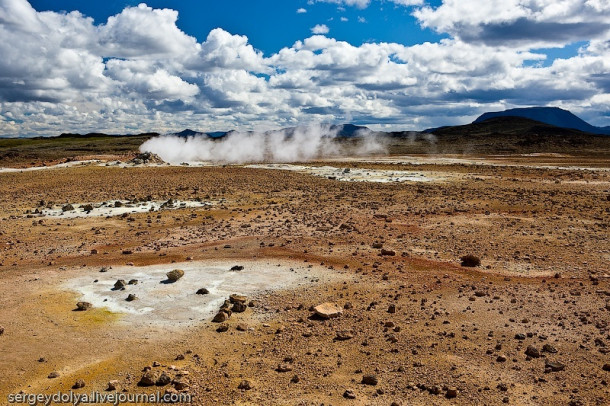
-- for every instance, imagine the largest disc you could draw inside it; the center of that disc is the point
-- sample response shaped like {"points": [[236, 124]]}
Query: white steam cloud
{"points": [[294, 145]]}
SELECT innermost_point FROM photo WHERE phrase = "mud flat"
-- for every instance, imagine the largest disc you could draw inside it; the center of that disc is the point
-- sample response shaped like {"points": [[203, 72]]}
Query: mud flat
{"points": [[177, 304], [117, 208], [357, 174]]}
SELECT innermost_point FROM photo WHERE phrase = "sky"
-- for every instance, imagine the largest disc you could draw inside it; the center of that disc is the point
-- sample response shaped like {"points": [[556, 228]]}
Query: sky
{"points": [[121, 66]]}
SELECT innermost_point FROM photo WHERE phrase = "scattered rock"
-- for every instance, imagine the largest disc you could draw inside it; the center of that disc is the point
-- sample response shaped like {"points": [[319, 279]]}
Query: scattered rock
{"points": [[174, 275], [78, 384], [241, 327], [239, 307], [87, 208], [112, 385], [237, 268], [284, 368], [131, 297], [550, 366], [235, 298], [203, 291], [53, 375], [67, 207], [148, 379], [470, 260], [222, 328], [328, 310], [549, 348], [132, 282], [120, 284], [388, 253], [146, 158], [532, 351], [82, 306], [344, 335], [244, 385], [369, 380], [349, 394], [221, 317], [451, 392], [163, 380]]}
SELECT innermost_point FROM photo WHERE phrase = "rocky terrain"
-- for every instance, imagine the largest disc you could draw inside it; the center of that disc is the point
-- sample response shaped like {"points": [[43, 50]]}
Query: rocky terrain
{"points": [[490, 285]]}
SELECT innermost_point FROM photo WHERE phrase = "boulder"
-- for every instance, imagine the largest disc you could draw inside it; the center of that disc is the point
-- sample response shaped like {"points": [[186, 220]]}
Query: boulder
{"points": [[174, 275], [328, 310]]}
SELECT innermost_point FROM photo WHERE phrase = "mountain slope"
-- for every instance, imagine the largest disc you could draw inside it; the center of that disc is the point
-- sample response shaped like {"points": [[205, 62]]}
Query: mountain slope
{"points": [[548, 115]]}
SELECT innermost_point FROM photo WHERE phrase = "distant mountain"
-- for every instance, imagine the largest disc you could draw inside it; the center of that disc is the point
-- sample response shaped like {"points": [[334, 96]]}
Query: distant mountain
{"points": [[548, 115]]}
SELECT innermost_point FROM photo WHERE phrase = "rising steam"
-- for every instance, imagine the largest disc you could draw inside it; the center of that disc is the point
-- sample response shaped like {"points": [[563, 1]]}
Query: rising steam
{"points": [[294, 145]]}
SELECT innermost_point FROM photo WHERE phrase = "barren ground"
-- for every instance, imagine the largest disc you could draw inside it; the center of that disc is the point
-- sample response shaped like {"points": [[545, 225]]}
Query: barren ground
{"points": [[540, 225]]}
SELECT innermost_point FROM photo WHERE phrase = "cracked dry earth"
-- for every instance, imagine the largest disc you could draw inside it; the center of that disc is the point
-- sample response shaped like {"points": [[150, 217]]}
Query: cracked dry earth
{"points": [[529, 326]]}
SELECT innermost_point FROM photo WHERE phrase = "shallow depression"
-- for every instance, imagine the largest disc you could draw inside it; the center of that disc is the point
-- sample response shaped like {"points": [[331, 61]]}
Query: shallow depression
{"points": [[177, 304]]}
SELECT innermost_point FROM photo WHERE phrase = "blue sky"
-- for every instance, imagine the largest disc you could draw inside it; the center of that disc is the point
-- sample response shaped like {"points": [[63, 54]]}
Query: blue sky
{"points": [[272, 24], [125, 66]]}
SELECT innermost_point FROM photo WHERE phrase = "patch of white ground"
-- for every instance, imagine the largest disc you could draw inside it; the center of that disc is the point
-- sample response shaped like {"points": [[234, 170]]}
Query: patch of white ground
{"points": [[117, 208], [358, 174], [160, 303]]}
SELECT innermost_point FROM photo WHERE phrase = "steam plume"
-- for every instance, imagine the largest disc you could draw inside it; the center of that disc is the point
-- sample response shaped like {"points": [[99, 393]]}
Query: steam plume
{"points": [[294, 145]]}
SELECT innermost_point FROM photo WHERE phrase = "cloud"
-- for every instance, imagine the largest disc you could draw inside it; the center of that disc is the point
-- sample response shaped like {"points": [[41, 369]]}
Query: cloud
{"points": [[320, 29], [301, 11], [62, 72], [533, 23]]}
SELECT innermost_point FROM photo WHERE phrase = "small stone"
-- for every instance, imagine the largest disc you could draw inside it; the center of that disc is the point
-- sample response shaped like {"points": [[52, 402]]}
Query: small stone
{"points": [[132, 282], [239, 307], [349, 394], [53, 375], [222, 328], [78, 384], [295, 379], [549, 348], [203, 291], [181, 384], [112, 385], [174, 275], [501, 358], [82, 306], [532, 351], [163, 380], [1, 330], [344, 335], [451, 392], [148, 379], [244, 385], [369, 380], [606, 367], [241, 327], [388, 253], [237, 268], [235, 298], [284, 368], [328, 310], [392, 308], [67, 207], [119, 284], [131, 297], [221, 317], [553, 366]]}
